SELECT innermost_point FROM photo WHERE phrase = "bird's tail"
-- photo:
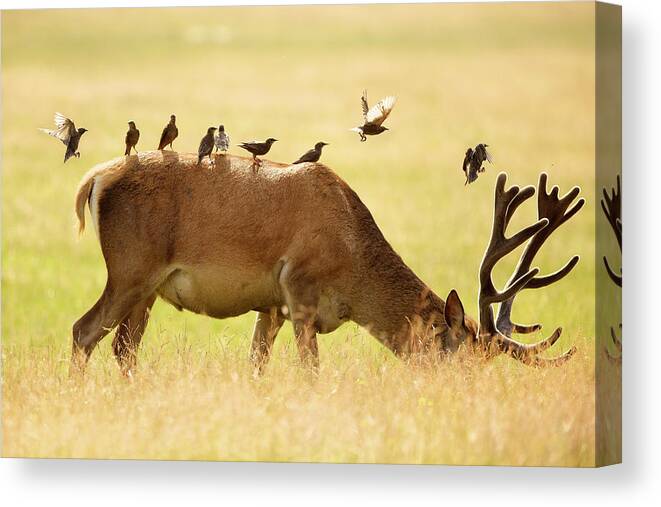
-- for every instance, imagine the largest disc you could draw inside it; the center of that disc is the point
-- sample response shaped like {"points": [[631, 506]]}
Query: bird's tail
{"points": [[128, 150], [82, 197], [356, 129]]}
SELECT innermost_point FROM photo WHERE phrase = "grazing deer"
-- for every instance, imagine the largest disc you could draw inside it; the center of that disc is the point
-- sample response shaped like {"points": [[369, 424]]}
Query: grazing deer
{"points": [[288, 242]]}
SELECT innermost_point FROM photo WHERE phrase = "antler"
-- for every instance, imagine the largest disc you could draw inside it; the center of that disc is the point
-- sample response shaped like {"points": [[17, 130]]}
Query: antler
{"points": [[612, 207], [552, 213]]}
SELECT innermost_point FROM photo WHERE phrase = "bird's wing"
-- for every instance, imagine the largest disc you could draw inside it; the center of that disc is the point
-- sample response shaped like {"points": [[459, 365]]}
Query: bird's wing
{"points": [[379, 112], [363, 102], [306, 157], [162, 143], [64, 128], [488, 156], [467, 160], [250, 145]]}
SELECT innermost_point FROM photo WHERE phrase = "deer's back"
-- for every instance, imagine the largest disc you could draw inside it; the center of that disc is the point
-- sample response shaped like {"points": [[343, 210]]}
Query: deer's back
{"points": [[185, 212]]}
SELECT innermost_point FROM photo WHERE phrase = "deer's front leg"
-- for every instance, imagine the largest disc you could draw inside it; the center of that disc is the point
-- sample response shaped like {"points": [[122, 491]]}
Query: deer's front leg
{"points": [[302, 299], [306, 339], [266, 329]]}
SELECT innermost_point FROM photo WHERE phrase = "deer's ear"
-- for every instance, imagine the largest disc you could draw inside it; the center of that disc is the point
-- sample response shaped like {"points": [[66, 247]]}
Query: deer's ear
{"points": [[454, 310]]}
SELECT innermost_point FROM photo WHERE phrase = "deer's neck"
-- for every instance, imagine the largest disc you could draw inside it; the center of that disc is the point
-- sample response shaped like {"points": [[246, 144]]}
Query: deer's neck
{"points": [[398, 308]]}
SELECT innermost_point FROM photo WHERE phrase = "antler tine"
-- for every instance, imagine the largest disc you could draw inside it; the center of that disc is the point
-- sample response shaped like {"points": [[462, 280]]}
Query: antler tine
{"points": [[529, 353], [617, 342], [612, 208], [505, 203], [616, 339], [556, 211], [617, 279]]}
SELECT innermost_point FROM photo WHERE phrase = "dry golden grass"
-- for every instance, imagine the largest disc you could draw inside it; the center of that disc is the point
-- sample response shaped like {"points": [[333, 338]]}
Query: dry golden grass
{"points": [[203, 403]]}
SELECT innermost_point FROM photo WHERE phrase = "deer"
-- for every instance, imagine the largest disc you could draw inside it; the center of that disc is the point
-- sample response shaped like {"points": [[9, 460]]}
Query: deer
{"points": [[290, 242]]}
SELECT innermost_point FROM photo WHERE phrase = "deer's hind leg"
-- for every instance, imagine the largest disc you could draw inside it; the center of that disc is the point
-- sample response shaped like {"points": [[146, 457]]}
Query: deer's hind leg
{"points": [[129, 333], [119, 297], [267, 326]]}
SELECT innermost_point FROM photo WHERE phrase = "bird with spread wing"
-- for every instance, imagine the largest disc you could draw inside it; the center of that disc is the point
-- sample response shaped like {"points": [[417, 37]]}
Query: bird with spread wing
{"points": [[374, 117], [66, 131], [473, 161]]}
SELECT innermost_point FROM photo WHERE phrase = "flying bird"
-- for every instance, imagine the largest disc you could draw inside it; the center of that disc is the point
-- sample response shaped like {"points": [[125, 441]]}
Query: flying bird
{"points": [[312, 155], [258, 149], [206, 145], [170, 133], [473, 161], [66, 131], [222, 139], [374, 117], [132, 136]]}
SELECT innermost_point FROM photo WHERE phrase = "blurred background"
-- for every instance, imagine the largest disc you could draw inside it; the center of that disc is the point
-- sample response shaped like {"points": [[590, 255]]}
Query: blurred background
{"points": [[518, 77]]}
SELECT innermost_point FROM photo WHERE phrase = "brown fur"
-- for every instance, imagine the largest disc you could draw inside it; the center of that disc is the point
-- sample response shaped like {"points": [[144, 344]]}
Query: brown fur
{"points": [[224, 240]]}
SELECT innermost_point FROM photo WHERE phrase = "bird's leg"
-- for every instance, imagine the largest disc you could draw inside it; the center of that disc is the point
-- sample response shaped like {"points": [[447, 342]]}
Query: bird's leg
{"points": [[77, 154], [256, 163], [363, 138]]}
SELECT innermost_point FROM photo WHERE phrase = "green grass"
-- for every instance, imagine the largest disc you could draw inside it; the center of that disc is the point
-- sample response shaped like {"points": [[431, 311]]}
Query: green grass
{"points": [[519, 77]]}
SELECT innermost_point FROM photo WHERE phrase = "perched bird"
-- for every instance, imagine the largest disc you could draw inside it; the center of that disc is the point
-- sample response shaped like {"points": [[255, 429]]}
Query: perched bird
{"points": [[312, 155], [132, 136], [374, 117], [66, 132], [473, 161], [221, 139], [170, 133], [258, 149], [206, 145]]}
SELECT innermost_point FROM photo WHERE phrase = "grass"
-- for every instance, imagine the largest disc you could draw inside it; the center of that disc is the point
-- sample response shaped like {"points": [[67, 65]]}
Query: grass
{"points": [[520, 77]]}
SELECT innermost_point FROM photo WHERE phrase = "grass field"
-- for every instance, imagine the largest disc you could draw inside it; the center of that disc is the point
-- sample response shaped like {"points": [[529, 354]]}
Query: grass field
{"points": [[519, 77]]}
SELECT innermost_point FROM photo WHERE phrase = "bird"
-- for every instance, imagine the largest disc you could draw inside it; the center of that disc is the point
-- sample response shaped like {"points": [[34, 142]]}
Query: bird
{"points": [[170, 133], [473, 161], [132, 136], [312, 155], [258, 149], [374, 117], [221, 139], [206, 145], [66, 132], [466, 166]]}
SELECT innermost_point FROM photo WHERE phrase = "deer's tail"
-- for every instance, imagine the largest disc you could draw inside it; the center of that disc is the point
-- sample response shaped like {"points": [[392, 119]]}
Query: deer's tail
{"points": [[82, 197]]}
